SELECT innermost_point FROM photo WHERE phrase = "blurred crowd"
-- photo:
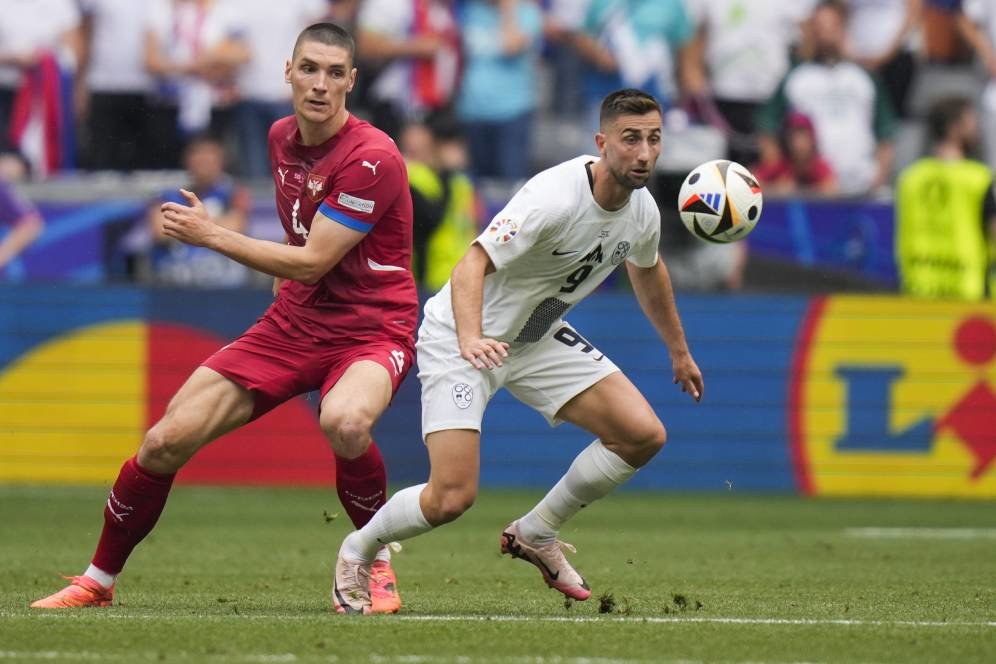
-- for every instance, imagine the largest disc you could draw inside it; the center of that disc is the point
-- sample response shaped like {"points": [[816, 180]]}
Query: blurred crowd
{"points": [[815, 96]]}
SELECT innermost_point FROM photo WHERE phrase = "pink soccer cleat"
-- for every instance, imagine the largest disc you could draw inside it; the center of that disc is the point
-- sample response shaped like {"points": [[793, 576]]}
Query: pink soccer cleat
{"points": [[550, 559], [82, 591], [384, 597]]}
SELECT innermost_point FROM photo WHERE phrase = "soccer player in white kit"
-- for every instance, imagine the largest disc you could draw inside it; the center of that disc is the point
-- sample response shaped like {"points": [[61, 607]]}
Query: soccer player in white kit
{"points": [[498, 323]]}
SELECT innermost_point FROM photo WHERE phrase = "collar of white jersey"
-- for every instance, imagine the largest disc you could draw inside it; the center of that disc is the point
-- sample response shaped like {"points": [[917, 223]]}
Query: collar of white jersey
{"points": [[589, 186]]}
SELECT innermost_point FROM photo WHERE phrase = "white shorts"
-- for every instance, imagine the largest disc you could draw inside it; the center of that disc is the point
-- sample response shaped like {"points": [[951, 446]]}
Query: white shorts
{"points": [[544, 375]]}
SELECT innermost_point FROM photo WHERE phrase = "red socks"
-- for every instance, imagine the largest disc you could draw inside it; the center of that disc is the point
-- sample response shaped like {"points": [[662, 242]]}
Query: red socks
{"points": [[138, 498], [133, 507], [361, 484]]}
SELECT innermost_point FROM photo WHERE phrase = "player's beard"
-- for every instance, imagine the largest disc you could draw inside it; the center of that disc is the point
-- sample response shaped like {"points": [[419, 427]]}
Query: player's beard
{"points": [[631, 183]]}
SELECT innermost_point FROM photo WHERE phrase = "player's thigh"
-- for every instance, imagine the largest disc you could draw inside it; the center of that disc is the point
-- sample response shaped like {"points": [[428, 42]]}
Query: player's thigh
{"points": [[205, 407], [549, 373], [454, 459], [454, 393], [617, 413]]}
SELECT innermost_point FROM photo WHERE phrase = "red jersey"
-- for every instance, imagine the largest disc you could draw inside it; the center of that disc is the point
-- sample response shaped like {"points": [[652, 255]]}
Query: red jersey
{"points": [[356, 178]]}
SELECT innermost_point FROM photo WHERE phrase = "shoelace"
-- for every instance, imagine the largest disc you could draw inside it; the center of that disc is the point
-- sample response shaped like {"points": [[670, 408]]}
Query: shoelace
{"points": [[566, 546], [357, 576]]}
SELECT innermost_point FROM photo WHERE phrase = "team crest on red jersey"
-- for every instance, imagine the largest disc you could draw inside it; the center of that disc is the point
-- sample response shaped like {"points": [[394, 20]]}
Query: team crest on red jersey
{"points": [[316, 186]]}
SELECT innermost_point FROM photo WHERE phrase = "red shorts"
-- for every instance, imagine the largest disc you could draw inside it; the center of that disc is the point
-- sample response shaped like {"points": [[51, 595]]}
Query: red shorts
{"points": [[276, 361]]}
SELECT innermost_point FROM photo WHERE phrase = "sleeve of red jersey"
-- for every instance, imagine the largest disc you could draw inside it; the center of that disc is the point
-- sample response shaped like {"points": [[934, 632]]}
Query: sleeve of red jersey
{"points": [[364, 189]]}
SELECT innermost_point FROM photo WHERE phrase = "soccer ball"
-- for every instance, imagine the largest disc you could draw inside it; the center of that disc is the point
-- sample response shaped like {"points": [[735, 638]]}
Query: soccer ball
{"points": [[720, 201]]}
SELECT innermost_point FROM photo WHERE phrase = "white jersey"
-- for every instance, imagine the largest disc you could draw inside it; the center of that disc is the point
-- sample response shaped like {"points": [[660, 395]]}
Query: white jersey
{"points": [[551, 246]]}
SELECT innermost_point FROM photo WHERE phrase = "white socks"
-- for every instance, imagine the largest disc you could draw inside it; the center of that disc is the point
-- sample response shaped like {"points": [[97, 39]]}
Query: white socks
{"points": [[594, 473], [100, 576], [400, 518]]}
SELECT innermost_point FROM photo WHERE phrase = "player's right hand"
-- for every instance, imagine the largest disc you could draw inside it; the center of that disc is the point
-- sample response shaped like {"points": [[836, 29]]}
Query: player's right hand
{"points": [[483, 352]]}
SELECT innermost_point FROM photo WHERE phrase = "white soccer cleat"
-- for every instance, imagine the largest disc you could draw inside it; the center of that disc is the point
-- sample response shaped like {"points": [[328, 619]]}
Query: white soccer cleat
{"points": [[549, 558], [351, 587]]}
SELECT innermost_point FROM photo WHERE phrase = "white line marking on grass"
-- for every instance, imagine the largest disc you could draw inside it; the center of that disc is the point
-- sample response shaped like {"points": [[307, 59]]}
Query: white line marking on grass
{"points": [[922, 533], [373, 658], [695, 619], [657, 620]]}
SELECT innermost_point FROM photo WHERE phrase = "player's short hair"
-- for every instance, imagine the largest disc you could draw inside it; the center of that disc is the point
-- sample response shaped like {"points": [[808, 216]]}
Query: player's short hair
{"points": [[329, 34], [944, 114], [629, 101]]}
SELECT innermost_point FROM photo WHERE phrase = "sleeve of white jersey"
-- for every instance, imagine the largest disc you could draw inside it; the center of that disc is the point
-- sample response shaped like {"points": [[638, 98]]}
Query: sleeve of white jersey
{"points": [[520, 226], [644, 254]]}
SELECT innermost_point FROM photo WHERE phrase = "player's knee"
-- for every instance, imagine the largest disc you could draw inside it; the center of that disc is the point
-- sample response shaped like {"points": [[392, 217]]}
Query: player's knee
{"points": [[349, 433], [162, 450], [654, 437], [449, 504], [642, 440]]}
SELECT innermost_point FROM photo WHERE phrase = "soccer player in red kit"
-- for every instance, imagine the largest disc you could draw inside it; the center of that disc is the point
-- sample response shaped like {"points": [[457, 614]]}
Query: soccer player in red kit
{"points": [[343, 320]]}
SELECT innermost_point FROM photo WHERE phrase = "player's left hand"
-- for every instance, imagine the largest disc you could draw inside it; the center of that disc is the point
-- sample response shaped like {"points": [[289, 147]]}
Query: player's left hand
{"points": [[190, 223], [687, 373]]}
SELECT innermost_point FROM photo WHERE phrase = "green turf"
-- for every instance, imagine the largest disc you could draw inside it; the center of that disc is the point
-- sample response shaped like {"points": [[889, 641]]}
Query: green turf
{"points": [[242, 575]]}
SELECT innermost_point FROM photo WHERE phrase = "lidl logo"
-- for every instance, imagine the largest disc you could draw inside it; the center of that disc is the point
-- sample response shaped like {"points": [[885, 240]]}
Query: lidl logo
{"points": [[895, 397]]}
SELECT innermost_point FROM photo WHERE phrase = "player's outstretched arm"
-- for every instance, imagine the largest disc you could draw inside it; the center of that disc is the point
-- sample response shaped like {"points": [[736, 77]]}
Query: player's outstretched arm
{"points": [[327, 242], [25, 231], [652, 286], [467, 285]]}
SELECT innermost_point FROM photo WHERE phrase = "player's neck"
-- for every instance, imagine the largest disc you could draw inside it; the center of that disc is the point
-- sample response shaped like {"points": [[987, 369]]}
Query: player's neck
{"points": [[316, 134], [949, 151], [608, 194]]}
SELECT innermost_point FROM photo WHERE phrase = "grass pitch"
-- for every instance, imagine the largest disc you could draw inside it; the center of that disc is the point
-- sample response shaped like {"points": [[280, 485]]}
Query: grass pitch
{"points": [[242, 575]]}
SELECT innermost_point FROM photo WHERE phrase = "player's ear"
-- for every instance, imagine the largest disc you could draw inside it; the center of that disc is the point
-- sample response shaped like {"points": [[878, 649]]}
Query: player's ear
{"points": [[600, 142], [352, 79], [287, 71]]}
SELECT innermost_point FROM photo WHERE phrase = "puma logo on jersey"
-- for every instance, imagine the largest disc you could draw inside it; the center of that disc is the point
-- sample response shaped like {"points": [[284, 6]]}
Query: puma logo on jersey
{"points": [[372, 167]]}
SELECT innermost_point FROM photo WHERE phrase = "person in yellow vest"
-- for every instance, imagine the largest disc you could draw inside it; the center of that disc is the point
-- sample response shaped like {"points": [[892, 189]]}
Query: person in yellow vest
{"points": [[443, 198], [946, 211]]}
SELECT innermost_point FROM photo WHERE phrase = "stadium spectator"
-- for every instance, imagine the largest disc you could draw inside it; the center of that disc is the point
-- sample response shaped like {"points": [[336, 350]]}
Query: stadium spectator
{"points": [[443, 201], [943, 41], [120, 131], [879, 33], [740, 52], [946, 210], [635, 43], [269, 29], [344, 13], [21, 222], [564, 21], [852, 115], [800, 167], [174, 263], [978, 25], [192, 49], [41, 38], [594, 215], [342, 321], [415, 44], [501, 42]]}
